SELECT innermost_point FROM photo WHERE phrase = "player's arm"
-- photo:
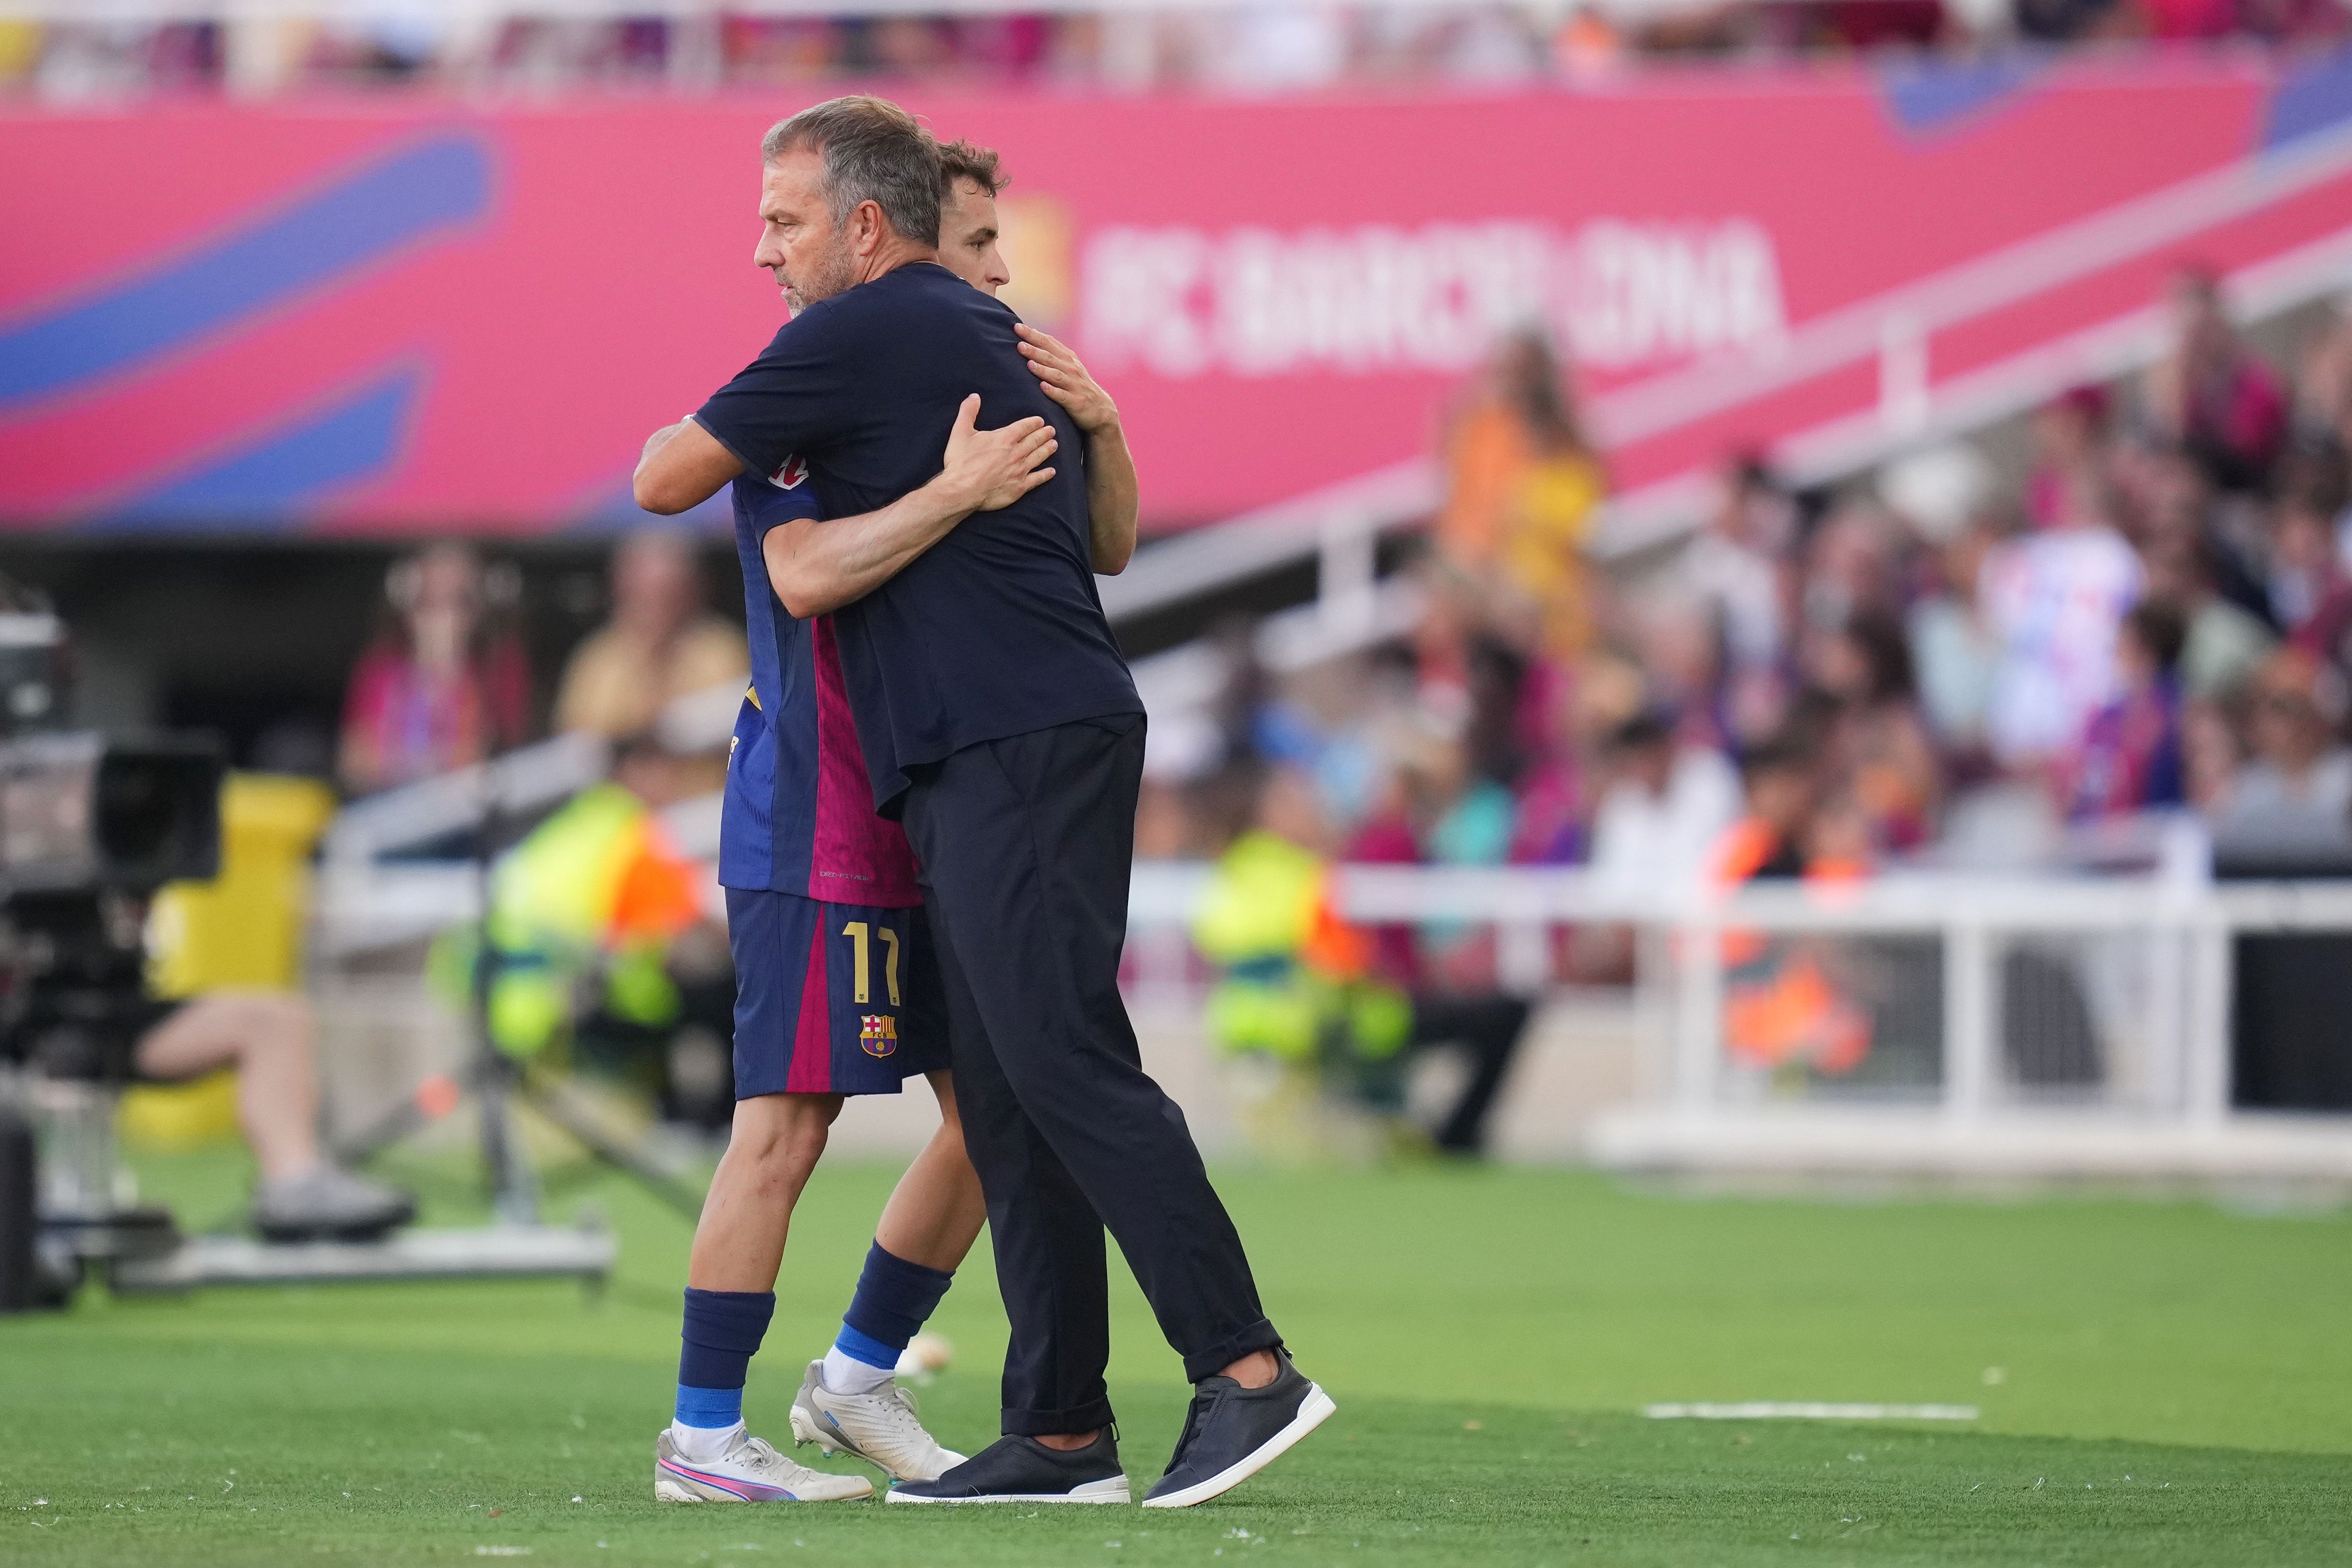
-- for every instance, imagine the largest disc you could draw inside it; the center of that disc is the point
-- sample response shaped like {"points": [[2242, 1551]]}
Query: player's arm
{"points": [[1114, 496], [818, 567]]}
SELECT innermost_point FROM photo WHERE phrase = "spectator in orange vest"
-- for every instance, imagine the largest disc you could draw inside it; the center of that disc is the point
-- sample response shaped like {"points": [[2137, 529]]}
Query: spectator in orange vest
{"points": [[1782, 1005]]}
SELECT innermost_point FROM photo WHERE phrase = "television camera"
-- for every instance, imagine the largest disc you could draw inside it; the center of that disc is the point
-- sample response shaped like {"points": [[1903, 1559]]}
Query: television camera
{"points": [[90, 827]]}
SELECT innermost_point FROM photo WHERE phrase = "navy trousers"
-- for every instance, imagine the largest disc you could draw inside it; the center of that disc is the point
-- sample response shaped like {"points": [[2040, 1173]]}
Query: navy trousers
{"points": [[1028, 846]]}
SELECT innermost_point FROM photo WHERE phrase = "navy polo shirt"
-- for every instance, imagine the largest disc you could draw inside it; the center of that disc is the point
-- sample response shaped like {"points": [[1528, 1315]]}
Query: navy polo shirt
{"points": [[997, 629]]}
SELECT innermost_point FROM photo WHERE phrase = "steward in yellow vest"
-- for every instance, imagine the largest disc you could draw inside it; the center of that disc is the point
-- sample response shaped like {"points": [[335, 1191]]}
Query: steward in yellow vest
{"points": [[583, 915], [1297, 986]]}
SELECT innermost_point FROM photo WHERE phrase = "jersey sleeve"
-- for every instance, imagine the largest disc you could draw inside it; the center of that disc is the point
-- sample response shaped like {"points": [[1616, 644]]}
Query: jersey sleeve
{"points": [[796, 396], [770, 502]]}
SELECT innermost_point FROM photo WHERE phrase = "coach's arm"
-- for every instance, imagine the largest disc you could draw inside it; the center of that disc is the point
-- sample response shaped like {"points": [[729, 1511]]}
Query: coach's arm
{"points": [[818, 565], [1114, 497], [683, 465]]}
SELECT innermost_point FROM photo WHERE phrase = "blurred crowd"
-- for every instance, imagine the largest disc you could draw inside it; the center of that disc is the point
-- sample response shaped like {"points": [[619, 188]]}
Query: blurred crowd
{"points": [[2147, 611], [2146, 607], [446, 681], [607, 954], [1270, 46], [2049, 644]]}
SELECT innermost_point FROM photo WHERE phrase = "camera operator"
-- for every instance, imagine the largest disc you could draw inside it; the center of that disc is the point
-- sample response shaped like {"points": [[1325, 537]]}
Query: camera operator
{"points": [[93, 828]]}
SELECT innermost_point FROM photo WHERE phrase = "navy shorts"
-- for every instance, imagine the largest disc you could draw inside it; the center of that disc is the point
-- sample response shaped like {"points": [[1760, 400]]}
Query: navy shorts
{"points": [[832, 998]]}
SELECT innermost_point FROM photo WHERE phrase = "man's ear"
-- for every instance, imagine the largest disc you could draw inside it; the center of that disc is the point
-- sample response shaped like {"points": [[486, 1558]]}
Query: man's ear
{"points": [[867, 236]]}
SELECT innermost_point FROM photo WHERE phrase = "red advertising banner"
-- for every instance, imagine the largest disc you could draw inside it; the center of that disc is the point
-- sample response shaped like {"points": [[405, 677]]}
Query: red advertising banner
{"points": [[405, 315]]}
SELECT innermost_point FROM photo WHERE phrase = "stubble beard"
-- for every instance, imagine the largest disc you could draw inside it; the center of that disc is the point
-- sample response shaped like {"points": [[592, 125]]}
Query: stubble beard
{"points": [[831, 273]]}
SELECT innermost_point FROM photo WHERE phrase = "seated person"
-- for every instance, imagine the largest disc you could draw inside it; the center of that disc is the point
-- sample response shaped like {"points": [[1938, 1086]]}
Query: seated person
{"points": [[1300, 986], [443, 686], [661, 643], [2293, 795], [272, 1040]]}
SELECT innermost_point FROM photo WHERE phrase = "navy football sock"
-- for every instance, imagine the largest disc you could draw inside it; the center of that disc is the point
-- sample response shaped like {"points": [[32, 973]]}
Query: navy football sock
{"points": [[894, 1299], [722, 1333]]}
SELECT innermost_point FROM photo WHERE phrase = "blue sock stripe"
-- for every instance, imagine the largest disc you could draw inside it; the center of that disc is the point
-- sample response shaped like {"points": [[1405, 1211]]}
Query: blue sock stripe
{"points": [[713, 1409], [864, 1348], [894, 1298]]}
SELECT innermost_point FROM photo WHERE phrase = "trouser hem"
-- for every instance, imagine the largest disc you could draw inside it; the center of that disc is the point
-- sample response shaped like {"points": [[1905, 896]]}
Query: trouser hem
{"points": [[1088, 1417], [1258, 1336]]}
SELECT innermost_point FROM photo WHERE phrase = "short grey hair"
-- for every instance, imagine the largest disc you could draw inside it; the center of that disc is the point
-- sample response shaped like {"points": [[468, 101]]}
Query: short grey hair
{"points": [[874, 151]]}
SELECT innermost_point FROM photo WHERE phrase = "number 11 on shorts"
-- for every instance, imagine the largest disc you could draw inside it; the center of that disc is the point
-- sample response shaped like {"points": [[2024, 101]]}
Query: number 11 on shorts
{"points": [[859, 934]]}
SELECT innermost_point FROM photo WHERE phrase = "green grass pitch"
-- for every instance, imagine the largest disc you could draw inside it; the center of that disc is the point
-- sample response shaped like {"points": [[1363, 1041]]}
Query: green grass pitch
{"points": [[2159, 1383]]}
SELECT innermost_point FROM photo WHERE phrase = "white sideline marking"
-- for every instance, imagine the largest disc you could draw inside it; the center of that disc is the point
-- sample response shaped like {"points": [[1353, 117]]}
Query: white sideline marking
{"points": [[1808, 1410]]}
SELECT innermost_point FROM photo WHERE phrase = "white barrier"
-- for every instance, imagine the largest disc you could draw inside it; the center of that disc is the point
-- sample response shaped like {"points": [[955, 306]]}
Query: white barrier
{"points": [[2026, 1026]]}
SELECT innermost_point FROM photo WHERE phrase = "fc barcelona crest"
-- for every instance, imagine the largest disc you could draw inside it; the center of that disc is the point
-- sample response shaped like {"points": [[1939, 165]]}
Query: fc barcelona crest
{"points": [[878, 1033]]}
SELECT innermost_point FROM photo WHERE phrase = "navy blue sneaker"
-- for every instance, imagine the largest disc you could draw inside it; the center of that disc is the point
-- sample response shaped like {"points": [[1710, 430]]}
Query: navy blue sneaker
{"points": [[1232, 1433], [1023, 1470]]}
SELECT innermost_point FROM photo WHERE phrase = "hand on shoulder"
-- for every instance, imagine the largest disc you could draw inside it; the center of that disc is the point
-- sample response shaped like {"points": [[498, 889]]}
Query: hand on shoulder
{"points": [[1065, 381]]}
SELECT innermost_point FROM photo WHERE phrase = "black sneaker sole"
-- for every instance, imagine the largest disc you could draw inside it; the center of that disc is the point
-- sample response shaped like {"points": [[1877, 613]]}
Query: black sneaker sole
{"points": [[1313, 1411], [1110, 1489]]}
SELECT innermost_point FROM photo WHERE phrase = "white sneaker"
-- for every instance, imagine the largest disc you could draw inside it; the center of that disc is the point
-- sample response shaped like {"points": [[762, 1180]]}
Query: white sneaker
{"points": [[751, 1471], [880, 1428]]}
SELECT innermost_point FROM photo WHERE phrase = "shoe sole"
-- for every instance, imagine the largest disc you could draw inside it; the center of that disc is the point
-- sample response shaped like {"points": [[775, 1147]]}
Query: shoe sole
{"points": [[1313, 1411], [1111, 1488], [804, 1432], [672, 1487]]}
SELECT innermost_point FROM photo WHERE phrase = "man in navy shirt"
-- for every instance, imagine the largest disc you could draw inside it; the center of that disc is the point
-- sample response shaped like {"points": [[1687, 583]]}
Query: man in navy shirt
{"points": [[1000, 724]]}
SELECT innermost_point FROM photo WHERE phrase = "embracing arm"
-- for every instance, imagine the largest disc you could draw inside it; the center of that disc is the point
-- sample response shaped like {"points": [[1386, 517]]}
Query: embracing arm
{"points": [[1114, 497], [816, 566]]}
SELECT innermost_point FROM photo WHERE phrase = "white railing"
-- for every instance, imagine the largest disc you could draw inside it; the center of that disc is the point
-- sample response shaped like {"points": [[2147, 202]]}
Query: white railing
{"points": [[1341, 525], [2021, 1025], [525, 780], [369, 899], [1338, 527]]}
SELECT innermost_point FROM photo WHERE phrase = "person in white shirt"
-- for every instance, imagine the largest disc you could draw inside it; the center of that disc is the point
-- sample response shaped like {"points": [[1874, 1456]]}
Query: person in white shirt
{"points": [[1663, 810], [2054, 600]]}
